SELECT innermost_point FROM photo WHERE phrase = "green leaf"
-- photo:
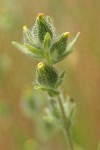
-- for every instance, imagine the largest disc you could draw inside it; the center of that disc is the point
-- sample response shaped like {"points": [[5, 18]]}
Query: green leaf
{"points": [[54, 56], [20, 47], [24, 50], [54, 109], [62, 57], [32, 49], [47, 40], [46, 43], [71, 45], [27, 35], [60, 79], [51, 92], [69, 107], [50, 24]]}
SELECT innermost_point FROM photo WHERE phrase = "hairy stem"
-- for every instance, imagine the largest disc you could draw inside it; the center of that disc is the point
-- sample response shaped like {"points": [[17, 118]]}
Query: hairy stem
{"points": [[66, 129]]}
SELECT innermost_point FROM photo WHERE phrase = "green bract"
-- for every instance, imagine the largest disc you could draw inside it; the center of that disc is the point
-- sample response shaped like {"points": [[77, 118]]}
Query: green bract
{"points": [[41, 42]]}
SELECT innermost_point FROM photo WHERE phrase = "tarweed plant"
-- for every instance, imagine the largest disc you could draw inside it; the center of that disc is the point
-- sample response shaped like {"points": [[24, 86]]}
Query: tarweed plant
{"points": [[41, 43]]}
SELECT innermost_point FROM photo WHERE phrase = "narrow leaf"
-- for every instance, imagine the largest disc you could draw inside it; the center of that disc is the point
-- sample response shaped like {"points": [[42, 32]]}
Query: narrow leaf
{"points": [[27, 35], [52, 92], [71, 45], [32, 49], [60, 79], [20, 47], [62, 57], [26, 51], [47, 40]]}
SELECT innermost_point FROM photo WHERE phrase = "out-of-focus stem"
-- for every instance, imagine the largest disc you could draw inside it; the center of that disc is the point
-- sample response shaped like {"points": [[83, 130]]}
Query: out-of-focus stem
{"points": [[66, 129]]}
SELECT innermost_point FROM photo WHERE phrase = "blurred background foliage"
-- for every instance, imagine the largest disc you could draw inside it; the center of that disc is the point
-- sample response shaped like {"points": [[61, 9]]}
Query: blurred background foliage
{"points": [[21, 107]]}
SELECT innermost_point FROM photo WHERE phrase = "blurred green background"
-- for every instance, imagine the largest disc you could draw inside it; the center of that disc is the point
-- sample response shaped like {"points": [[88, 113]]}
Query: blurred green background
{"points": [[19, 129]]}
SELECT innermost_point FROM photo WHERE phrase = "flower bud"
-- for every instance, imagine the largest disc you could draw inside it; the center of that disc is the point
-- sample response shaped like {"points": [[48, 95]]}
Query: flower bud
{"points": [[61, 44], [46, 75], [43, 27]]}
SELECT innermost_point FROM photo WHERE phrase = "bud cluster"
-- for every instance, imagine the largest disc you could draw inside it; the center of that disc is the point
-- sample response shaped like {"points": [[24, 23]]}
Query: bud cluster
{"points": [[41, 43]]}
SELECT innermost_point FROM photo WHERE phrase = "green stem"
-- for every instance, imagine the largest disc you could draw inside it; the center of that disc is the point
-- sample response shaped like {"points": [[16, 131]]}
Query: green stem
{"points": [[66, 129]]}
